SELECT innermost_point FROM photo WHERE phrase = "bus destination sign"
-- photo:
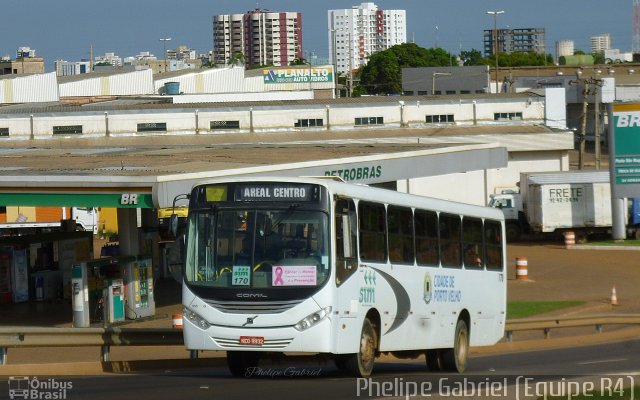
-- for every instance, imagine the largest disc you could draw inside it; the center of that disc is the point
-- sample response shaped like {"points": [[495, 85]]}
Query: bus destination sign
{"points": [[276, 192]]}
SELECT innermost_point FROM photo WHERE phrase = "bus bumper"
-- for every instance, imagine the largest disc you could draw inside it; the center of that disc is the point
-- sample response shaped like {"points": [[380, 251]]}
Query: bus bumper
{"points": [[316, 339]]}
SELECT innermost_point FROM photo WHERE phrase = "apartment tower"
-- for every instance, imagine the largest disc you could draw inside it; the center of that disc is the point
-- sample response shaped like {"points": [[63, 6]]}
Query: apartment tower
{"points": [[356, 33], [262, 37]]}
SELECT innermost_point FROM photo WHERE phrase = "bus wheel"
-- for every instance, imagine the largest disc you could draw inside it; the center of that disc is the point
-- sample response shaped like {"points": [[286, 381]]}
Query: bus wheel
{"points": [[241, 363], [434, 360], [455, 359], [361, 363]]}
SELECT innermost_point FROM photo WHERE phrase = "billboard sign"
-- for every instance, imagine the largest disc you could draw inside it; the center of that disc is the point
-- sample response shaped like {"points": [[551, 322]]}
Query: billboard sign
{"points": [[302, 74], [625, 150]]}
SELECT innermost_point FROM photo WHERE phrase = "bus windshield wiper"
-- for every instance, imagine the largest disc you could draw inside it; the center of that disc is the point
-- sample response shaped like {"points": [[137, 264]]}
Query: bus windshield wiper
{"points": [[285, 214]]}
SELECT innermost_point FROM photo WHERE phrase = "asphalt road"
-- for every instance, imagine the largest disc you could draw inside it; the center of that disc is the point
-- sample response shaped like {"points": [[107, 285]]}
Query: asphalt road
{"points": [[490, 376]]}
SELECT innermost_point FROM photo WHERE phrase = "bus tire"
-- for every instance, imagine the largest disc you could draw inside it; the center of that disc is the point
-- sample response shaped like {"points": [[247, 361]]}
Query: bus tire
{"points": [[240, 363], [434, 360], [455, 359], [360, 364]]}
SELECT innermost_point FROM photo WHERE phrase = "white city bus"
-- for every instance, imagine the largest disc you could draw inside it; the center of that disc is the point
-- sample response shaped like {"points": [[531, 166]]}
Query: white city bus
{"points": [[322, 266]]}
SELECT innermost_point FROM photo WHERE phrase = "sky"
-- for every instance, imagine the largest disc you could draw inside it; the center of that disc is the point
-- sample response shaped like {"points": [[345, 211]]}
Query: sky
{"points": [[67, 29]]}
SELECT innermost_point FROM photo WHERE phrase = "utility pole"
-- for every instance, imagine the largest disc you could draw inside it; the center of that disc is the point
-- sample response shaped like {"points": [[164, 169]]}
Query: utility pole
{"points": [[596, 122], [164, 49], [589, 86], [495, 40]]}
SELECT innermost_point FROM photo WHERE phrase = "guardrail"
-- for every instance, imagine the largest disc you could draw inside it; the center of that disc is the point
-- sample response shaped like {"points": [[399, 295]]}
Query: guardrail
{"points": [[86, 337], [546, 324], [14, 337]]}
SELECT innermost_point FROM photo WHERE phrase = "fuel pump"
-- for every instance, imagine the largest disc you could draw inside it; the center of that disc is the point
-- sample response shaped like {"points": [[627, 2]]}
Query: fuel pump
{"points": [[80, 295]]}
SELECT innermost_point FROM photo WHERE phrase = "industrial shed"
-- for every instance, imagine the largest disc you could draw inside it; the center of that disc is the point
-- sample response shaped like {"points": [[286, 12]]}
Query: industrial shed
{"points": [[129, 83], [37, 88]]}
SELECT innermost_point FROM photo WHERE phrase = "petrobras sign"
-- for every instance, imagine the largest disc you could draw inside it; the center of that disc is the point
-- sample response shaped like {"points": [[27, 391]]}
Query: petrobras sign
{"points": [[302, 74], [626, 150]]}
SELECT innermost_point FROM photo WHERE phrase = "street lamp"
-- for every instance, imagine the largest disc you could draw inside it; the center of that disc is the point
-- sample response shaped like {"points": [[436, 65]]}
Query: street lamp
{"points": [[433, 80], [164, 48], [495, 39]]}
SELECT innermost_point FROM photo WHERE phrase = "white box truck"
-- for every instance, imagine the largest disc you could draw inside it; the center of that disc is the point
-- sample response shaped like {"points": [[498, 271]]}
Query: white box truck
{"points": [[555, 202], [29, 219]]}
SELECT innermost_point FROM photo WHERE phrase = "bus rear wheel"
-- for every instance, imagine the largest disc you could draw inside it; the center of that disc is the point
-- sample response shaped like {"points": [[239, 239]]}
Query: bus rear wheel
{"points": [[361, 363], [455, 359], [241, 363]]}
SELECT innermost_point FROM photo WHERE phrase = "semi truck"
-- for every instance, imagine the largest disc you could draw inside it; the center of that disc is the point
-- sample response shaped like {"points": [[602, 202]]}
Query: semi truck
{"points": [[18, 220], [551, 203]]}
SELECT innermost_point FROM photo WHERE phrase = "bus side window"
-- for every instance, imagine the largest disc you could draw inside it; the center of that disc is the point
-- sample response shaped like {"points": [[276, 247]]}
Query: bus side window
{"points": [[450, 241], [493, 245], [472, 243], [346, 241]]}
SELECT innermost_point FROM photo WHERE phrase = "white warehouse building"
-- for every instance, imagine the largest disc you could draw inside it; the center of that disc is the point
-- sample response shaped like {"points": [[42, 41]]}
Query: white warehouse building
{"points": [[516, 122], [28, 88], [129, 83]]}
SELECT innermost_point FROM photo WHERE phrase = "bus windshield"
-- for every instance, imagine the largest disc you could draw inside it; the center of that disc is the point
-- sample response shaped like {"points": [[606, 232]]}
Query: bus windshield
{"points": [[257, 248]]}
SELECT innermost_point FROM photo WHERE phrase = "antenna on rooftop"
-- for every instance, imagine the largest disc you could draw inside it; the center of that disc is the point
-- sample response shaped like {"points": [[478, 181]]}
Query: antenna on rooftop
{"points": [[635, 42]]}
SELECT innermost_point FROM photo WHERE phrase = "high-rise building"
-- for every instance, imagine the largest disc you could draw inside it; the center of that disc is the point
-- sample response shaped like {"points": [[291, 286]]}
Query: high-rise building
{"points": [[261, 36], [564, 48], [600, 43], [525, 40], [109, 58], [67, 68], [356, 33]]}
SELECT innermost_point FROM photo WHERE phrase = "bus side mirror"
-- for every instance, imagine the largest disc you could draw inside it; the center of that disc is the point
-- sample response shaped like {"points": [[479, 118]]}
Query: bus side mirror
{"points": [[173, 225]]}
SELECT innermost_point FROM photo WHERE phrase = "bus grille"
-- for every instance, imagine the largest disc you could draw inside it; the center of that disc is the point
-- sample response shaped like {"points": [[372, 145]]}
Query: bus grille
{"points": [[263, 307], [268, 344]]}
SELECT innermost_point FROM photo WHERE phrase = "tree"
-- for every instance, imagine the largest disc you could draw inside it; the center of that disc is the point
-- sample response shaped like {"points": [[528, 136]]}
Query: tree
{"points": [[472, 57], [383, 72], [237, 58], [598, 57]]}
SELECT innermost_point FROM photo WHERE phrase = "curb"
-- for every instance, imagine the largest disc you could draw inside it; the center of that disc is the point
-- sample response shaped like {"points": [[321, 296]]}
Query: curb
{"points": [[123, 367], [115, 367], [596, 247]]}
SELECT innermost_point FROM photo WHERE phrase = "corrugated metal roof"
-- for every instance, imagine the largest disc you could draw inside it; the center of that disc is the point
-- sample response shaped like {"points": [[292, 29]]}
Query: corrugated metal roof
{"points": [[360, 101], [157, 156], [93, 75], [160, 154], [585, 176]]}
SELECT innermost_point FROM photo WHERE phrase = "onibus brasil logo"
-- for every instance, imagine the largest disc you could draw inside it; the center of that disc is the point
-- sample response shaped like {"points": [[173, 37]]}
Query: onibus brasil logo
{"points": [[23, 387]]}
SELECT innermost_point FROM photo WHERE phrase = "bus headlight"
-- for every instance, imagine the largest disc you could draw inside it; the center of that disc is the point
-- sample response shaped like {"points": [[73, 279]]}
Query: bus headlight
{"points": [[196, 319], [313, 319]]}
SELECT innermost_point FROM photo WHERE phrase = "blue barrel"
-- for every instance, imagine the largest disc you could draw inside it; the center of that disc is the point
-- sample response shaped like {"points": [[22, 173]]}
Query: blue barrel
{"points": [[172, 88]]}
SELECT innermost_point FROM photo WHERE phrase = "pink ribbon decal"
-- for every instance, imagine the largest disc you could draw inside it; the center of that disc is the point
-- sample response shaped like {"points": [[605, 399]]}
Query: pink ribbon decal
{"points": [[278, 280]]}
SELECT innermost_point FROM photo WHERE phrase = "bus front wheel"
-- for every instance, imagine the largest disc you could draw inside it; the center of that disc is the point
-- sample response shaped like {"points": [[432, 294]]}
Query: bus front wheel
{"points": [[361, 363], [241, 363], [455, 359]]}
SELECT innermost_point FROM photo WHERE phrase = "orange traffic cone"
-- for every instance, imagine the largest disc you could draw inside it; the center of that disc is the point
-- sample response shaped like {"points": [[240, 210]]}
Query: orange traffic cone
{"points": [[614, 297]]}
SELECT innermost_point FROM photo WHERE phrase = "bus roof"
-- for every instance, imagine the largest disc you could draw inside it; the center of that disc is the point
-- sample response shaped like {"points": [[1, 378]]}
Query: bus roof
{"points": [[365, 192]]}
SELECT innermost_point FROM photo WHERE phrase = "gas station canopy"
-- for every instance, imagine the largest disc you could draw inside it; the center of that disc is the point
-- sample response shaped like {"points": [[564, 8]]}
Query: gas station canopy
{"points": [[149, 171]]}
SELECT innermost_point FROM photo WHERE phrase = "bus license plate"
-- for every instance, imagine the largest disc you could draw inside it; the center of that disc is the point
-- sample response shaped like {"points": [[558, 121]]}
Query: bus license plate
{"points": [[252, 340]]}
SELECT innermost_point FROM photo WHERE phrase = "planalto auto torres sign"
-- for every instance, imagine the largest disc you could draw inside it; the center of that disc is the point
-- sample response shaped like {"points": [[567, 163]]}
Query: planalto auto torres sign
{"points": [[298, 75]]}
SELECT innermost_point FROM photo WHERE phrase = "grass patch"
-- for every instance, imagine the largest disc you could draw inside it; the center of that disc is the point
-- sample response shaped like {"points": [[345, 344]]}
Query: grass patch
{"points": [[523, 309], [626, 393], [626, 242]]}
